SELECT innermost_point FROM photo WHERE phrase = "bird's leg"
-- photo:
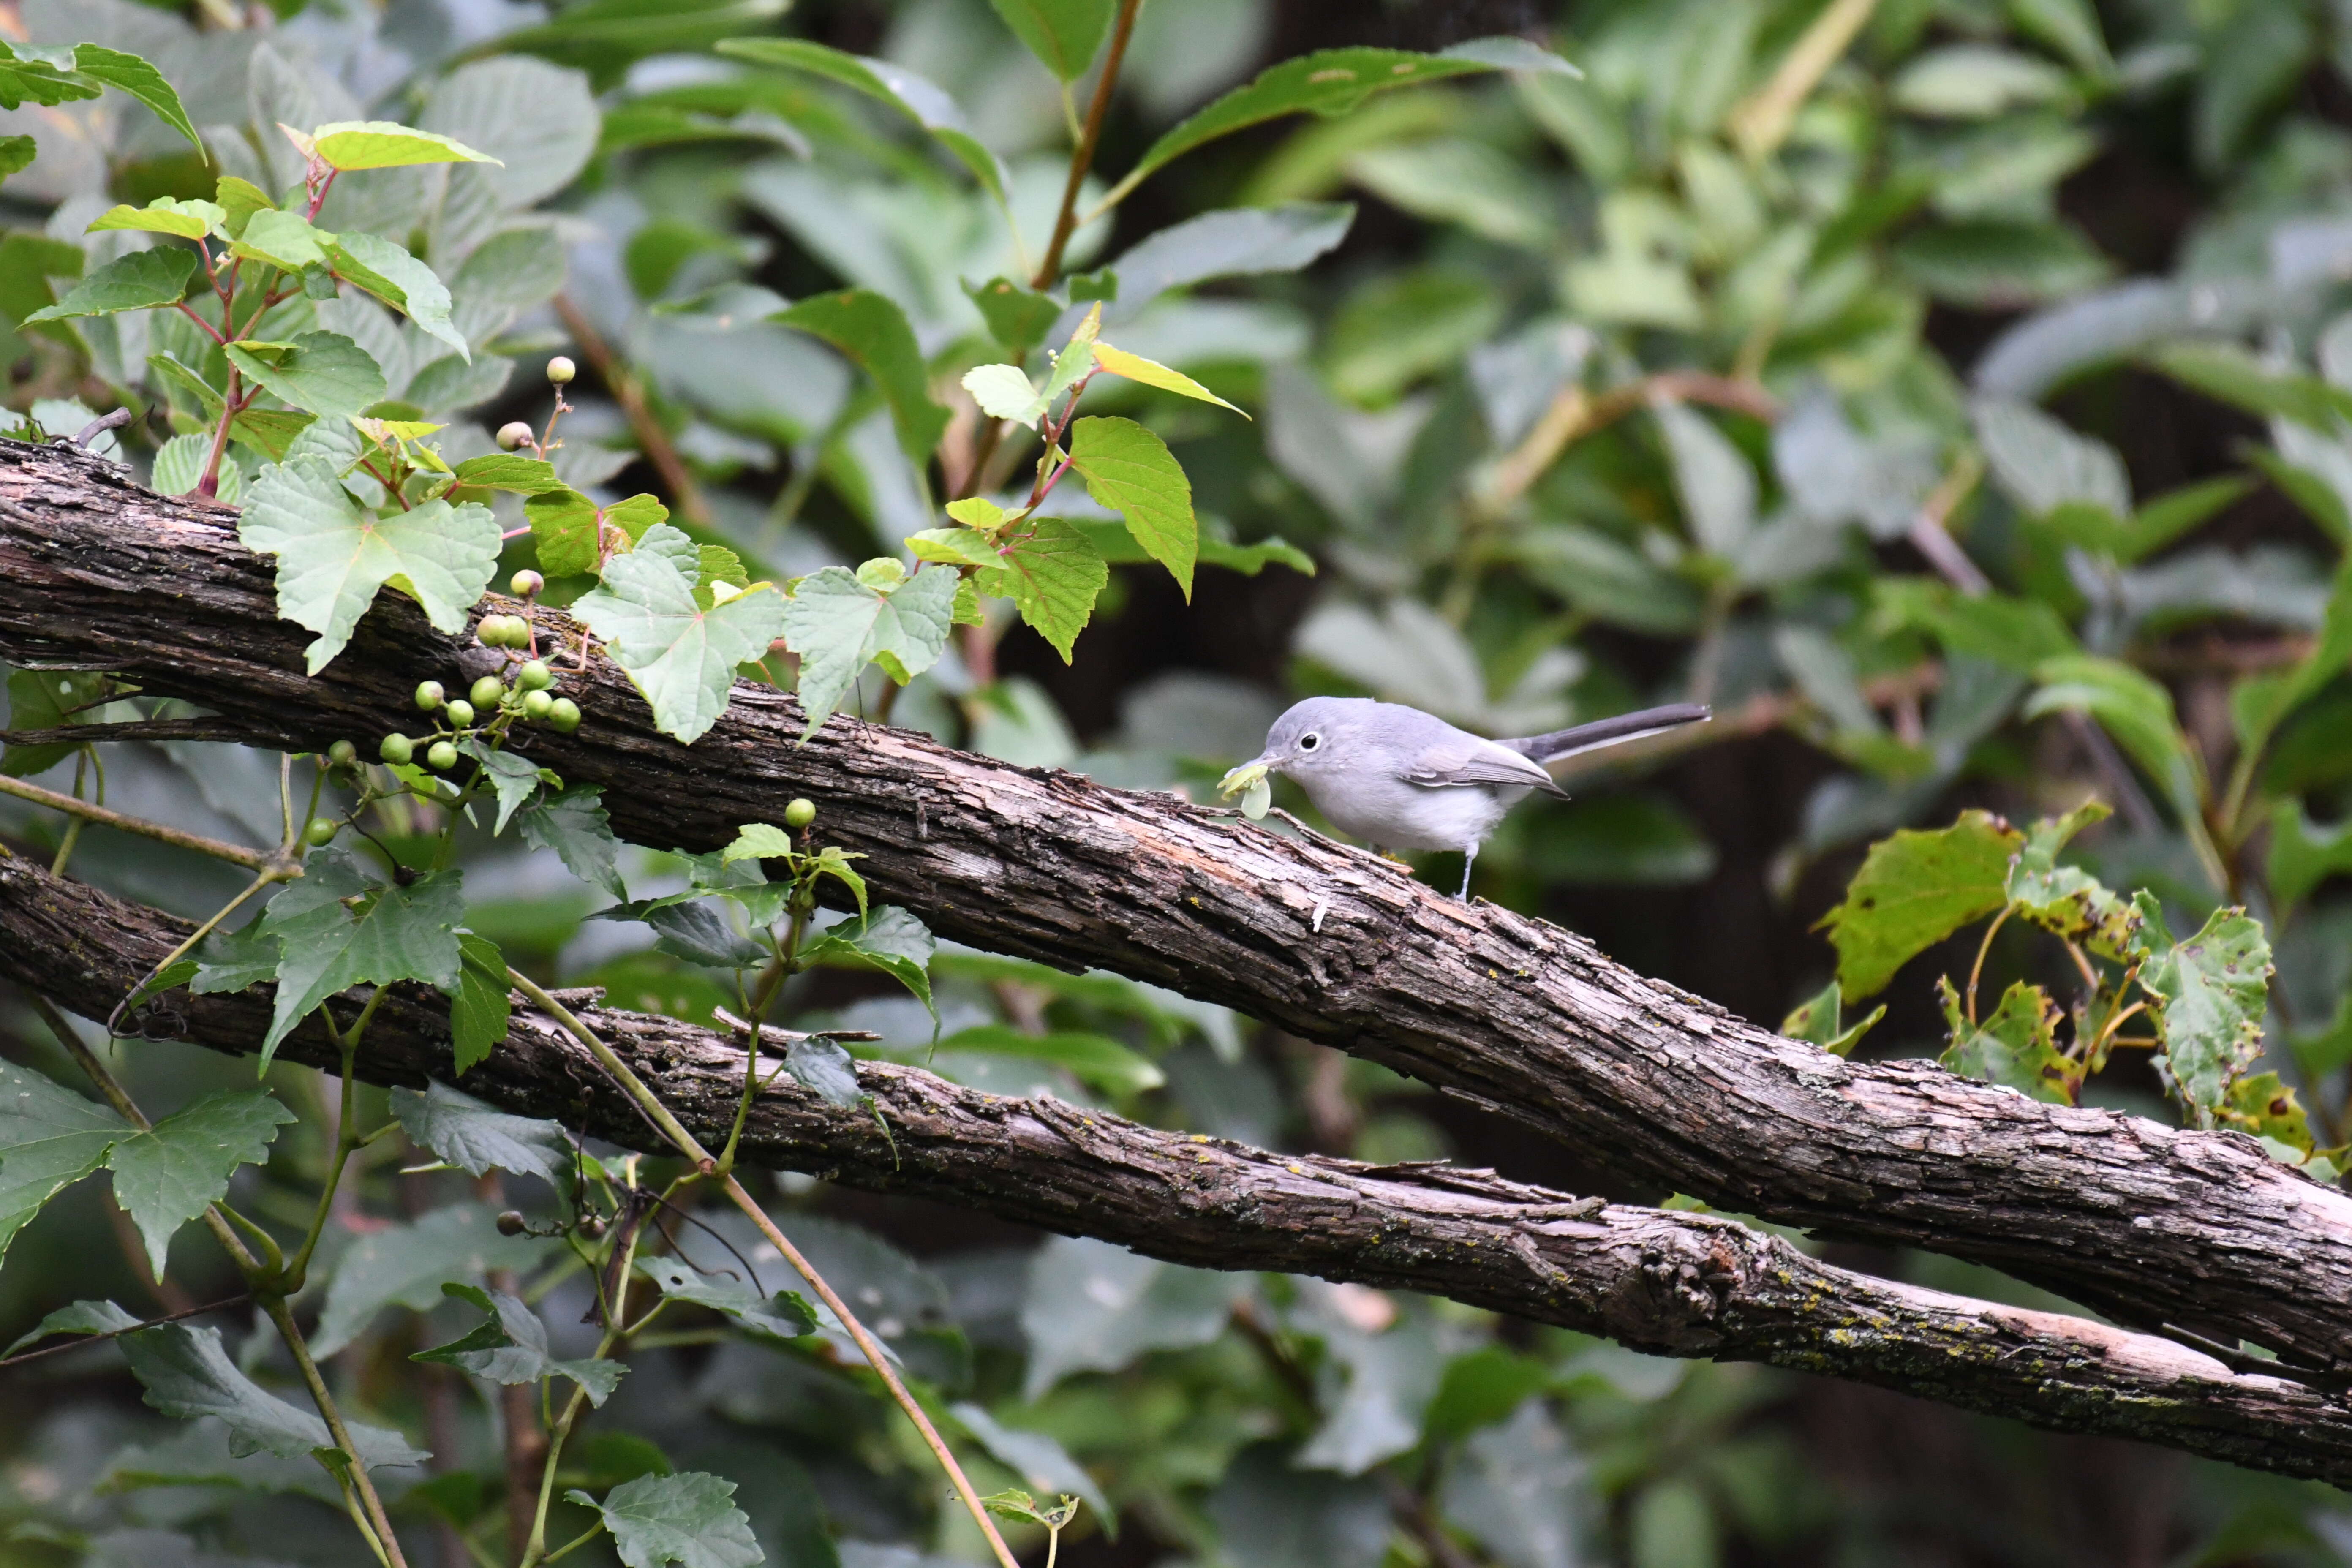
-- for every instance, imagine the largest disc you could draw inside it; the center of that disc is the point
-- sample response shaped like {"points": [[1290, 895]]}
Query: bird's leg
{"points": [[1469, 859]]}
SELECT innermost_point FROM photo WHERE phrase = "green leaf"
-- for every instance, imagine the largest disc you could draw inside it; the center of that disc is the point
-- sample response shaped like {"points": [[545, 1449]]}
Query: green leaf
{"points": [[965, 546], [129, 73], [1063, 34], [1118, 547], [872, 330], [2067, 900], [324, 373], [2210, 992], [701, 932], [77, 1317], [514, 779], [890, 940], [481, 1005], [511, 472], [1017, 319], [351, 144], [781, 1317], [572, 823], [1914, 890], [721, 565], [406, 1265], [285, 240], [1096, 1059], [333, 556], [1094, 1306], [2069, 26], [50, 1138], [1053, 573], [394, 934], [836, 623], [1151, 372], [759, 841], [265, 429], [2263, 1106], [133, 282], [825, 1068], [187, 1374], [240, 200], [16, 154], [510, 1348], [2230, 374], [685, 1519], [1040, 1461], [834, 861], [2175, 512], [920, 101], [1817, 1019], [2303, 854], [387, 271], [2018, 634], [188, 219], [1130, 471], [47, 699], [564, 529], [235, 961], [1005, 392], [681, 656], [165, 1176], [477, 1139], [2133, 708], [2016, 1048], [1333, 81]]}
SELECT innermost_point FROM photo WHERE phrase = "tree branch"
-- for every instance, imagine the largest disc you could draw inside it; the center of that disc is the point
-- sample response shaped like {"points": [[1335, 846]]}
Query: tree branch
{"points": [[1670, 1283], [2152, 1225]]}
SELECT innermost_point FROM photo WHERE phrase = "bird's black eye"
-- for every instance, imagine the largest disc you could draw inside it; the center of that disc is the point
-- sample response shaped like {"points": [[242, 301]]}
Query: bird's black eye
{"points": [[1309, 740]]}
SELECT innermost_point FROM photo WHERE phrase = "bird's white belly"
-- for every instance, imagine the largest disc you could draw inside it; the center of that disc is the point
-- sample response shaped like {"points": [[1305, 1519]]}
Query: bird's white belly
{"points": [[1395, 814]]}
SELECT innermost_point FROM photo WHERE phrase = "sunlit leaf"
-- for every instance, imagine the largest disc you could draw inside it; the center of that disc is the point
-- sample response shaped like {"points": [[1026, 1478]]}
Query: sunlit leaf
{"points": [[1130, 471]]}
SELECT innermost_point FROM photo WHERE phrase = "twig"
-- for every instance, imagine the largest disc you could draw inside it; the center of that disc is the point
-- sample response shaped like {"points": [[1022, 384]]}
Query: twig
{"points": [[626, 391], [136, 730], [1082, 156], [79, 1340], [236, 854], [1575, 414], [1761, 125]]}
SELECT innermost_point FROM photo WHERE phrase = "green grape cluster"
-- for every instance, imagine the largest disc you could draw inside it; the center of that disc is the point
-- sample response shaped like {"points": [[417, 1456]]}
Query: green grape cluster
{"points": [[492, 704]]}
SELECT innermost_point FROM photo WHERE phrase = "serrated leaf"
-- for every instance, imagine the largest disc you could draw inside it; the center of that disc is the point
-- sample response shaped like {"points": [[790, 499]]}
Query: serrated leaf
{"points": [[2067, 900], [1062, 34], [511, 472], [27, 76], [2263, 1105], [406, 1265], [685, 1519], [2016, 1046], [681, 656], [47, 699], [393, 933], [1914, 890], [1039, 1460], [2210, 991], [572, 823], [1053, 573], [563, 529], [837, 624], [781, 1318], [1005, 392], [387, 271], [191, 219], [476, 1138], [1017, 319], [701, 932], [834, 861], [952, 547], [511, 1347], [872, 330], [1333, 81], [165, 1176], [239, 200], [1820, 1017], [324, 373], [187, 1374], [481, 1005], [233, 961], [333, 556], [889, 939], [133, 282], [1151, 372], [285, 240], [351, 144], [921, 101], [514, 779], [825, 1068], [1130, 471], [721, 565], [50, 1138], [129, 73], [759, 841], [76, 1318]]}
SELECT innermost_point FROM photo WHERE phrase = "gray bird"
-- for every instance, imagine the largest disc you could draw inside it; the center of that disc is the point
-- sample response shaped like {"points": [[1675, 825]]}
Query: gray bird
{"points": [[1402, 778]]}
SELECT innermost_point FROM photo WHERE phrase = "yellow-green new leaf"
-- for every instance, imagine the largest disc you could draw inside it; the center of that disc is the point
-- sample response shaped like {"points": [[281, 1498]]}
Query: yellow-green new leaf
{"points": [[189, 219], [1151, 372], [1132, 471], [285, 240], [381, 145]]}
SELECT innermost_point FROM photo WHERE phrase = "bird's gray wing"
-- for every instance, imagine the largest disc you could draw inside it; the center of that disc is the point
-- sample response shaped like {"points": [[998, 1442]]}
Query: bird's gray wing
{"points": [[1468, 760]]}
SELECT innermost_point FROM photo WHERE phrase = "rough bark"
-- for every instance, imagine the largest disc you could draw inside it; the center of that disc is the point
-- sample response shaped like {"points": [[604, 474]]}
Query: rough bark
{"points": [[2149, 1225], [1672, 1283]]}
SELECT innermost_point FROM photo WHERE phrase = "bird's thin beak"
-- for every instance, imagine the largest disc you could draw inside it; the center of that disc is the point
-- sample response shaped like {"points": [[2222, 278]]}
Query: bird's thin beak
{"points": [[1266, 759]]}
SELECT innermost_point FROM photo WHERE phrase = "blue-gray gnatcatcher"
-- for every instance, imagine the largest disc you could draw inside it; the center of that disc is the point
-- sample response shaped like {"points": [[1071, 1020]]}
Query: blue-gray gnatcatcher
{"points": [[1403, 779]]}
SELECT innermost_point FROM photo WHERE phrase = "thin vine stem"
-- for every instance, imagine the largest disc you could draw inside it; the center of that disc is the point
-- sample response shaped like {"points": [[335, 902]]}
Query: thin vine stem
{"points": [[236, 854], [1082, 156]]}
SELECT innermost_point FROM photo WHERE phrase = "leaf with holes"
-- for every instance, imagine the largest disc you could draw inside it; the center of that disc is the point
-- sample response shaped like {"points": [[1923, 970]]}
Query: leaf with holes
{"points": [[2210, 992], [2067, 900], [681, 656]]}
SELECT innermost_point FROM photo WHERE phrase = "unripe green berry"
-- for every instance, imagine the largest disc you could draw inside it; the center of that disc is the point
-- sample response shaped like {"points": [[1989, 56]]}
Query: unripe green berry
{"points": [[561, 370], [487, 691], [460, 711], [526, 584], [343, 754], [396, 749], [536, 705], [800, 814], [442, 757], [321, 832], [429, 695], [514, 435], [492, 631], [535, 676], [564, 715]]}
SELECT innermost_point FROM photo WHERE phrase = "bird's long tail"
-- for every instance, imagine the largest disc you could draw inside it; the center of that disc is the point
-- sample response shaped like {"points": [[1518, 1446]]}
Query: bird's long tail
{"points": [[1602, 733]]}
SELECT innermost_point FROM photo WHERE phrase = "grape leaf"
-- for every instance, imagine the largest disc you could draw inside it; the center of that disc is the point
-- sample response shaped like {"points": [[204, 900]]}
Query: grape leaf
{"points": [[681, 656], [890, 939], [325, 948], [405, 1265], [2016, 1046], [1130, 471], [324, 373], [685, 1519], [1051, 571], [782, 1317], [476, 1137], [512, 1348], [836, 623], [75, 1318], [133, 282], [510, 471], [2210, 993], [333, 556], [572, 823], [50, 1138], [165, 1176], [187, 1374], [481, 1005], [1914, 890]]}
